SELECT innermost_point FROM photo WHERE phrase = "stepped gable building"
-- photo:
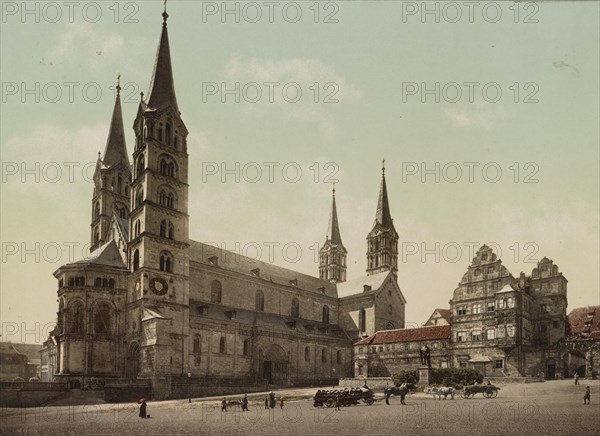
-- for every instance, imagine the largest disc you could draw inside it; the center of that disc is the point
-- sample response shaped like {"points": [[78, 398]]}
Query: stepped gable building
{"points": [[151, 304], [498, 324]]}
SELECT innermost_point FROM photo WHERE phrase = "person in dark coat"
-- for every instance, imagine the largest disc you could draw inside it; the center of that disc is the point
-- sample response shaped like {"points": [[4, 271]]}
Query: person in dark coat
{"points": [[272, 400], [143, 409], [224, 405], [266, 401], [587, 395], [245, 403]]}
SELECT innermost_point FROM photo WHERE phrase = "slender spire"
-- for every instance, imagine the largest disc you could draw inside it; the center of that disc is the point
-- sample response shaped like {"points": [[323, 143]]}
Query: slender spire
{"points": [[333, 231], [116, 150], [162, 87], [383, 215]]}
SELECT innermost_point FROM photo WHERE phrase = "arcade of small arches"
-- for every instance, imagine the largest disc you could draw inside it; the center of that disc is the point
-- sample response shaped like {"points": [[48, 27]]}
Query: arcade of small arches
{"points": [[73, 318]]}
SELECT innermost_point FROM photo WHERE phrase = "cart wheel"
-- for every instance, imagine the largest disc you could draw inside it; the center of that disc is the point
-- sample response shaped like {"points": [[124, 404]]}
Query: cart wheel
{"points": [[464, 394], [470, 395], [369, 401], [330, 402], [493, 393]]}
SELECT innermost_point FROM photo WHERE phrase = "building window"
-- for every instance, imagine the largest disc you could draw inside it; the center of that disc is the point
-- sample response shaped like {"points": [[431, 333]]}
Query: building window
{"points": [[554, 324], [324, 355], [510, 302], [215, 292], [259, 301], [339, 357], [295, 312], [136, 260], [137, 228], [222, 345], [76, 321], [543, 328], [97, 211], [510, 331], [139, 197], [166, 262], [462, 310], [166, 199], [543, 308], [476, 335], [246, 349], [141, 163], [490, 269], [163, 228], [491, 306], [196, 349], [325, 314], [307, 354], [477, 308], [461, 336], [102, 319], [501, 304], [498, 363], [166, 167], [477, 272], [501, 331], [171, 230], [491, 334]]}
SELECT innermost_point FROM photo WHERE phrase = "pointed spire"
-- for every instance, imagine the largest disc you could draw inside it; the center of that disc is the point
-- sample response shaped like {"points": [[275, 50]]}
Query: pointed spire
{"points": [[116, 150], [162, 88], [383, 215], [333, 231]]}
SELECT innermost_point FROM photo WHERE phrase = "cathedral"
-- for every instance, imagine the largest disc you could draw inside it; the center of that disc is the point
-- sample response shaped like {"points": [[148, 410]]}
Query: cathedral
{"points": [[149, 304]]}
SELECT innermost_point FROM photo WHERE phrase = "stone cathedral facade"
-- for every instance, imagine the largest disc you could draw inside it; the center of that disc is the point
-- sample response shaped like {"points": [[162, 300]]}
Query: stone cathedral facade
{"points": [[151, 304]]}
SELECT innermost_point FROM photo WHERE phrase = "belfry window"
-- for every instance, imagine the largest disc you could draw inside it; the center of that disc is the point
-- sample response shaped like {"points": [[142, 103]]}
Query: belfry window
{"points": [[166, 262], [136, 260], [168, 134]]}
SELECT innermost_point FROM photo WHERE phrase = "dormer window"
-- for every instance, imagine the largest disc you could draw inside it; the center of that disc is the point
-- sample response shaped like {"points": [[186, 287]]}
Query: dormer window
{"points": [[366, 288], [255, 272], [214, 260], [294, 282]]}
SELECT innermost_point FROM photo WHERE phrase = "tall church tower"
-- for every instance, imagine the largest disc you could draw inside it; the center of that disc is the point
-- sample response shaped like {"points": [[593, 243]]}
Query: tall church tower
{"points": [[111, 180], [332, 256], [382, 241], [159, 253]]}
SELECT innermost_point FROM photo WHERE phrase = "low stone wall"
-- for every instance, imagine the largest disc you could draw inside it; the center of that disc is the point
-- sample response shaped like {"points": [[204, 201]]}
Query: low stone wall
{"points": [[374, 383], [19, 398], [496, 380]]}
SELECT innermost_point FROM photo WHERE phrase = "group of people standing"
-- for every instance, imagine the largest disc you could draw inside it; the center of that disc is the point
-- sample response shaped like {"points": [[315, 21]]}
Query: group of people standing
{"points": [[270, 403]]}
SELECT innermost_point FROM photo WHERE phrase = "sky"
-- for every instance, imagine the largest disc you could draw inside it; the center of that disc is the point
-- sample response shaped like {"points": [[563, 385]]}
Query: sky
{"points": [[486, 114]]}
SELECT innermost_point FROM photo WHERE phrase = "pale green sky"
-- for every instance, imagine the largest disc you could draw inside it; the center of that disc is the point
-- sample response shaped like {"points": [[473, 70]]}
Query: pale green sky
{"points": [[373, 50]]}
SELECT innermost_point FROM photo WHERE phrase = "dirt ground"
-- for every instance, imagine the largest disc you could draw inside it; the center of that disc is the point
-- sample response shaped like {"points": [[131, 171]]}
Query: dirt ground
{"points": [[551, 408]]}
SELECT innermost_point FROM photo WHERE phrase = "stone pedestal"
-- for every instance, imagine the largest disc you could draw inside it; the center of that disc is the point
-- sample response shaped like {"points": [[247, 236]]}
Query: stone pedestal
{"points": [[424, 375]]}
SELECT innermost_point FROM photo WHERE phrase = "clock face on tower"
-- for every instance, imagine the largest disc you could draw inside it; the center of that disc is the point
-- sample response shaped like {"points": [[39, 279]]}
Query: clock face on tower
{"points": [[159, 286]]}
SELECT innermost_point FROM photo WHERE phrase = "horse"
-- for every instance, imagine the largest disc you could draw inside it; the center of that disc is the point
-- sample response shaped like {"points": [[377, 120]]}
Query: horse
{"points": [[438, 392], [401, 390]]}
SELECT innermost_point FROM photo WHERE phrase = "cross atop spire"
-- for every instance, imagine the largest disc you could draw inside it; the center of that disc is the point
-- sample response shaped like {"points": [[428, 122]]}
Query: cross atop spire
{"points": [[162, 87], [383, 167], [119, 84]]}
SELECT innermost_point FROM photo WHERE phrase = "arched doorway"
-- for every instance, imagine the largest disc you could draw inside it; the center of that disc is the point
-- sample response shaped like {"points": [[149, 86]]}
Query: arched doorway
{"points": [[274, 364], [132, 366], [550, 369]]}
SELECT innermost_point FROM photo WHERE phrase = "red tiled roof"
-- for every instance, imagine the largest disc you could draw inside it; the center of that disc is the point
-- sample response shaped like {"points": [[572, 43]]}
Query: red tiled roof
{"points": [[584, 322], [430, 333]]}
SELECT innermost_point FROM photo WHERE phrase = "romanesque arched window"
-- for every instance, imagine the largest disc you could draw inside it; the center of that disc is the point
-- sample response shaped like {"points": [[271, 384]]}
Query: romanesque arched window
{"points": [[307, 354], [171, 230], [166, 261], [246, 348], [295, 312], [196, 349], [324, 355], [163, 228], [137, 228], [136, 260], [259, 301], [166, 167], [97, 210], [325, 314], [141, 164], [166, 198], [338, 356], [139, 196], [168, 133], [362, 320], [76, 318], [119, 184], [222, 345], [215, 292], [98, 282], [102, 318]]}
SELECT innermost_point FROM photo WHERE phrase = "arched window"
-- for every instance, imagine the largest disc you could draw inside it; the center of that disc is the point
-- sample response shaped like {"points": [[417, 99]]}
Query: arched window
{"points": [[166, 167], [163, 228], [119, 184], [105, 283], [139, 196], [324, 355], [222, 344], [111, 283], [196, 349], [166, 262], [136, 260], [295, 312], [362, 320], [171, 230], [141, 164], [259, 301], [98, 282], [246, 349], [215, 292], [168, 134], [160, 134], [166, 198], [307, 354], [97, 210], [102, 319], [325, 314], [338, 357], [137, 228], [122, 212], [76, 321], [71, 281], [96, 236], [150, 129]]}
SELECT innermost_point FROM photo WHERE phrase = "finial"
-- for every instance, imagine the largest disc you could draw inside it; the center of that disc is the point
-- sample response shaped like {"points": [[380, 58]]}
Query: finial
{"points": [[119, 84], [142, 96], [333, 189], [99, 156], [165, 15], [383, 167]]}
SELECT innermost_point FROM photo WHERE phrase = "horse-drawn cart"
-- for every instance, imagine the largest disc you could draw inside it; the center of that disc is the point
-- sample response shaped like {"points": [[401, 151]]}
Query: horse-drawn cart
{"points": [[345, 397], [488, 391]]}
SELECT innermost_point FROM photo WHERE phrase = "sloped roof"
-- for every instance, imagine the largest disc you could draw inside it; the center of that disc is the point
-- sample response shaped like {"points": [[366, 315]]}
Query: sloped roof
{"points": [[444, 313], [108, 254], [356, 286], [431, 333], [162, 87], [229, 260], [124, 226], [32, 351], [152, 312], [505, 289], [584, 322]]}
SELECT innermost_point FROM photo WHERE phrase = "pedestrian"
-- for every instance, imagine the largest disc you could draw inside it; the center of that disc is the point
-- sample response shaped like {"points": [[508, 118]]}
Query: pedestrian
{"points": [[337, 402], [281, 403], [224, 405], [142, 408], [245, 403], [403, 391], [576, 378], [266, 401], [272, 400], [586, 396]]}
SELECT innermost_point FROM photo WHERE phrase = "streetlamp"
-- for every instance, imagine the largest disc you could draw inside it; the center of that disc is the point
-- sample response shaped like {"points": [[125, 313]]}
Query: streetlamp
{"points": [[189, 374]]}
